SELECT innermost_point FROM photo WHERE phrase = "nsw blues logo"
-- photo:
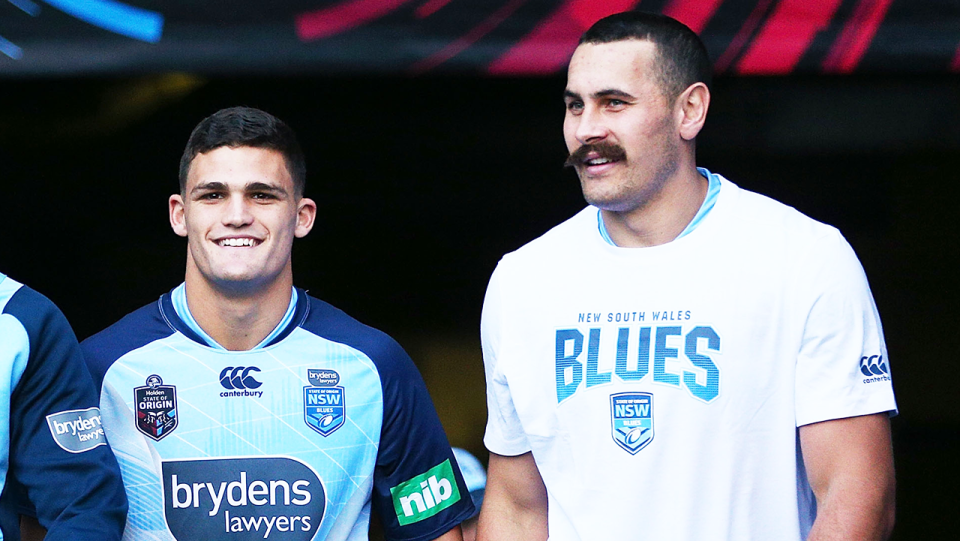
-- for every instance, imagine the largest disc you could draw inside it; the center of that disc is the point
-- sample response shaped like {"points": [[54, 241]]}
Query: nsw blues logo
{"points": [[631, 417], [156, 406], [323, 402]]}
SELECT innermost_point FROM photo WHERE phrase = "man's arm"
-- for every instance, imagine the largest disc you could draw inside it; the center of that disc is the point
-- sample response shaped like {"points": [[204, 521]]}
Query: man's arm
{"points": [[58, 451], [849, 465], [515, 500], [453, 535]]}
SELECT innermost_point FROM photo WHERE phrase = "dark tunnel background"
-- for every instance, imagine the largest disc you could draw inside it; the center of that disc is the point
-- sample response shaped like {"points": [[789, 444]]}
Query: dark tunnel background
{"points": [[423, 183]]}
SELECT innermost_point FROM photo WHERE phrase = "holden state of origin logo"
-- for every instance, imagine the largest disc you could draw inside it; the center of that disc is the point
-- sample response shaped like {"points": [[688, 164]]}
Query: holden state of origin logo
{"points": [[156, 406]]}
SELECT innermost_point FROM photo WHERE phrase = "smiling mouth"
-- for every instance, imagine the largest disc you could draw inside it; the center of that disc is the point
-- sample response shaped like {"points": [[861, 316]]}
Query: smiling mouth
{"points": [[597, 161], [233, 242], [594, 154]]}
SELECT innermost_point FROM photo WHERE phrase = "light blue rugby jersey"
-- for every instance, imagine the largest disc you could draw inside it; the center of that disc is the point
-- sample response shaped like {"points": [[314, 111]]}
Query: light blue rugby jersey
{"points": [[54, 462], [296, 438]]}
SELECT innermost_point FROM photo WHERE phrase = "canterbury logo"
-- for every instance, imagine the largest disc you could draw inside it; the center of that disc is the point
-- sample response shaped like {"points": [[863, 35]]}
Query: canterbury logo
{"points": [[873, 366], [239, 377]]}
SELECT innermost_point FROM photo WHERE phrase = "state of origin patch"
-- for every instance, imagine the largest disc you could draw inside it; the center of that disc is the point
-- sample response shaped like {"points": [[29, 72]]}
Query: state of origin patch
{"points": [[156, 406]]}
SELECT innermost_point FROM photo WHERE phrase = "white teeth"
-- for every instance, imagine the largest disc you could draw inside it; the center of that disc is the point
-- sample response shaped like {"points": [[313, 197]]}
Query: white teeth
{"points": [[598, 161], [236, 242]]}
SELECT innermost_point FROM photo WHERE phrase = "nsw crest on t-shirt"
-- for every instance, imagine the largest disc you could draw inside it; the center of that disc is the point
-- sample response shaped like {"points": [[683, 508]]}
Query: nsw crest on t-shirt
{"points": [[156, 406], [323, 402], [631, 417]]}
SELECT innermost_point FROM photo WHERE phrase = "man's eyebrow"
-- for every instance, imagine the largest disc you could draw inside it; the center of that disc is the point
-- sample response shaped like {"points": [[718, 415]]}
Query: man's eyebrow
{"points": [[611, 93], [600, 94], [209, 186], [263, 187]]}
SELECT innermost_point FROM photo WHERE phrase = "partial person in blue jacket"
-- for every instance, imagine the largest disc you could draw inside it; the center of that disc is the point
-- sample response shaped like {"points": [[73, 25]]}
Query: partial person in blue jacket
{"points": [[53, 451], [238, 406]]}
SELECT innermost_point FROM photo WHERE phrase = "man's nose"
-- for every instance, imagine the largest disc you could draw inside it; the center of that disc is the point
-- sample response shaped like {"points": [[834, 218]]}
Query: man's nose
{"points": [[591, 126], [237, 212]]}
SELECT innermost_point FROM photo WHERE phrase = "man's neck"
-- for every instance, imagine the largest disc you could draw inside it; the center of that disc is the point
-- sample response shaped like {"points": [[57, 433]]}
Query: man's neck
{"points": [[238, 322], [662, 219]]}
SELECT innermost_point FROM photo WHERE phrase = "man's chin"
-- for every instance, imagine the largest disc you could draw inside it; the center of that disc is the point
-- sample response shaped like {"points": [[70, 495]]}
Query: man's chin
{"points": [[239, 283], [601, 199]]}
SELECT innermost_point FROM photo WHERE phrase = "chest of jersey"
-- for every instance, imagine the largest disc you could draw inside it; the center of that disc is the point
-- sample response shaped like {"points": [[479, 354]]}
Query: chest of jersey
{"points": [[236, 442]]}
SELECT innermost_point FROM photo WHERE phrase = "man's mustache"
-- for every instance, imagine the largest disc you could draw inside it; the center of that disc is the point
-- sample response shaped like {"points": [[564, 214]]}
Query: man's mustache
{"points": [[610, 151]]}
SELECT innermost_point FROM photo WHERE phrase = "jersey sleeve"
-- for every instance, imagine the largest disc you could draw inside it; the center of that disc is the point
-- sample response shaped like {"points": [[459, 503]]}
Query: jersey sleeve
{"points": [[58, 451], [842, 367], [504, 434], [418, 489]]}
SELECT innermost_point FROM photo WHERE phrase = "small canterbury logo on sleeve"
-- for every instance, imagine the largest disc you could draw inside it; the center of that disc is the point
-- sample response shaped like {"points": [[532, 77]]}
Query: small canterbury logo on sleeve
{"points": [[77, 431], [426, 494]]}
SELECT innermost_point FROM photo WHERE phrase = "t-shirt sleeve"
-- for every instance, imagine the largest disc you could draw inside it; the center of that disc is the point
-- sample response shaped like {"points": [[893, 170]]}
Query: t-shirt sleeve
{"points": [[842, 368], [58, 451], [504, 434], [418, 489]]}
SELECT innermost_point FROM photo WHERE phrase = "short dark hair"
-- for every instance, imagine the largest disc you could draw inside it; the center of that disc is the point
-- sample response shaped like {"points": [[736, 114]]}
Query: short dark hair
{"points": [[681, 56], [245, 127]]}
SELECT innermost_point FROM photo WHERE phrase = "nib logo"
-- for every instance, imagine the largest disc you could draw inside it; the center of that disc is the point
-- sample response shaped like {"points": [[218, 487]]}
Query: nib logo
{"points": [[426, 494], [873, 366]]}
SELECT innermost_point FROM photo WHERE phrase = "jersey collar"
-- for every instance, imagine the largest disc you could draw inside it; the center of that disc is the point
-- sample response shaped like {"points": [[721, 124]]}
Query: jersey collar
{"points": [[173, 307]]}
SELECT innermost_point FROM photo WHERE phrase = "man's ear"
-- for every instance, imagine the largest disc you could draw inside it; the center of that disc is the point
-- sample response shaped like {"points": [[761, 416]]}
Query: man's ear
{"points": [[693, 104], [306, 214], [177, 219]]}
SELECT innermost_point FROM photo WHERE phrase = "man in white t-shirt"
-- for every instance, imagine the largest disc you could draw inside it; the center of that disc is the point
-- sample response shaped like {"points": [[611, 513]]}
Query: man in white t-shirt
{"points": [[683, 359]]}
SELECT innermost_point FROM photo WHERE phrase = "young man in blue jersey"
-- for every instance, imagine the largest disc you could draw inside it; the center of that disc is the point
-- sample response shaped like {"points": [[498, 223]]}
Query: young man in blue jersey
{"points": [[683, 359], [238, 406], [54, 458]]}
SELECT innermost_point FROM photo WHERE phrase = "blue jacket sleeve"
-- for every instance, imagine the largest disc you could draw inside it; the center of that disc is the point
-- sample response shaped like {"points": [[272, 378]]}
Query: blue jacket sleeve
{"points": [[58, 452], [418, 489]]}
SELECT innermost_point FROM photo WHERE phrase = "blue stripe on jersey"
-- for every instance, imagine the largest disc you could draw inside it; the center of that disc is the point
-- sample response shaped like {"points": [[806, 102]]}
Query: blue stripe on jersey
{"points": [[7, 288], [713, 191], [179, 298], [15, 347], [14, 353]]}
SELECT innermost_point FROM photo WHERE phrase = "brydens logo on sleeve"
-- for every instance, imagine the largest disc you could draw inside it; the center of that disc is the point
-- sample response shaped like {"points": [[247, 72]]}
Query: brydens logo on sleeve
{"points": [[77, 431], [426, 494], [242, 499]]}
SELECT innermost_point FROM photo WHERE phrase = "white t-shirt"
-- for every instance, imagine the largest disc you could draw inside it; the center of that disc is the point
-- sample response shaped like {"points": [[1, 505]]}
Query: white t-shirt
{"points": [[660, 389]]}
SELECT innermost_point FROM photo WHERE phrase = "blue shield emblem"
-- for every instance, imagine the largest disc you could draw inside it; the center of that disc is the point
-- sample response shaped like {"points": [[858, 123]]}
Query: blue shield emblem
{"points": [[631, 417], [323, 409]]}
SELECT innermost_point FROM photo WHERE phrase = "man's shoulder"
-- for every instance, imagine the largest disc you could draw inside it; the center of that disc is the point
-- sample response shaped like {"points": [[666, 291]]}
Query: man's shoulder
{"points": [[30, 307], [559, 240], [768, 217], [45, 329], [331, 323], [132, 331]]}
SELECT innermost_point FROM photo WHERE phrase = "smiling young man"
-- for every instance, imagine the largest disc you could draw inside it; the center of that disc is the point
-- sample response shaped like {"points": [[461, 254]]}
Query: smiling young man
{"points": [[683, 359], [238, 406]]}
